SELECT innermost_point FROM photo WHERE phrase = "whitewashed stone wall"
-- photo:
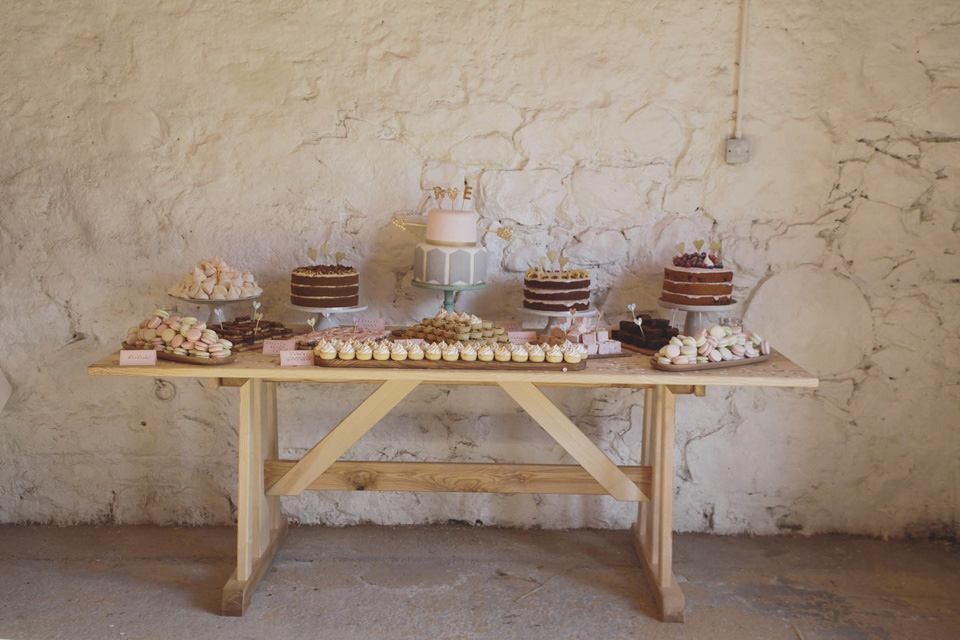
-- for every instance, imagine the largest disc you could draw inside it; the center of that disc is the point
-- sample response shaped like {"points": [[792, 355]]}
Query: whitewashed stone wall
{"points": [[140, 137]]}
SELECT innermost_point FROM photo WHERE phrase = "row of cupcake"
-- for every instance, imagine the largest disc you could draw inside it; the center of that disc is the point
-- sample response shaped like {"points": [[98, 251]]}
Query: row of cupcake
{"points": [[450, 352]]}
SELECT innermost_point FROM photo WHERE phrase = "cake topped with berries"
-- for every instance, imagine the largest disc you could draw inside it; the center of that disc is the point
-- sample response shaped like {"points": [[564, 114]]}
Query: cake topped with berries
{"points": [[698, 279]]}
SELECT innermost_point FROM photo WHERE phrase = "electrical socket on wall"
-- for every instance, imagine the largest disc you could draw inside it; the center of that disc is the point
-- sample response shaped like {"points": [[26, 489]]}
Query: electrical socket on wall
{"points": [[738, 150]]}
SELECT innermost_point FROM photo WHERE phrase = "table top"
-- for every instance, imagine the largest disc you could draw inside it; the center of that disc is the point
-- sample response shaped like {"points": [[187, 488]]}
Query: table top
{"points": [[634, 371]]}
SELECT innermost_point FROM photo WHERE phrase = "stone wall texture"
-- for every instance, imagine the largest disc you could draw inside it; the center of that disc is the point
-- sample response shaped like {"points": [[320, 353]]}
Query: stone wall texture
{"points": [[139, 137]]}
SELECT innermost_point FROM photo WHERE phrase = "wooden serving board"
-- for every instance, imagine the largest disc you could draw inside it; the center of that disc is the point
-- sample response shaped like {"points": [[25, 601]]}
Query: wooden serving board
{"points": [[646, 352], [162, 355], [723, 364], [476, 365], [622, 354]]}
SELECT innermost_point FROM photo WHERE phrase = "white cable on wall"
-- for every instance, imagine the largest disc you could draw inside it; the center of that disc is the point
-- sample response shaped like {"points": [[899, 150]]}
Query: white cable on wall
{"points": [[741, 65]]}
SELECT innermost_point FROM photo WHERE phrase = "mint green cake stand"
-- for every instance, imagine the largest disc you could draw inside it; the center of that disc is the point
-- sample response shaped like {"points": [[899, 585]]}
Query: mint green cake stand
{"points": [[449, 290]]}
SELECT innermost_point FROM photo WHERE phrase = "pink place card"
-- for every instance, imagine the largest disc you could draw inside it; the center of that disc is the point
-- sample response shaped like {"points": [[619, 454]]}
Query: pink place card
{"points": [[374, 324], [298, 358], [138, 357], [273, 347], [521, 337], [509, 325]]}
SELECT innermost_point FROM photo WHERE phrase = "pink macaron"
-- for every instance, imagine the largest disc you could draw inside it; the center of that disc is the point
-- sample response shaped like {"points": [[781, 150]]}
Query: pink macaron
{"points": [[705, 349], [765, 348], [672, 351], [154, 322], [738, 350], [715, 356], [193, 334], [177, 341]]}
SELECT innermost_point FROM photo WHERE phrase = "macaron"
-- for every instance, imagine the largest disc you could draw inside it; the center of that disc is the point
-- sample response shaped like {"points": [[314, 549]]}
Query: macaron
{"points": [[717, 331], [154, 322], [672, 350], [705, 348], [149, 334], [168, 335], [193, 334], [725, 353], [160, 313], [715, 356], [688, 350], [738, 350]]}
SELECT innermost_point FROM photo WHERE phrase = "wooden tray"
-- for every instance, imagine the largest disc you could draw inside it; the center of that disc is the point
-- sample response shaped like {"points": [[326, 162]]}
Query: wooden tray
{"points": [[723, 364], [162, 355], [476, 365], [173, 357]]}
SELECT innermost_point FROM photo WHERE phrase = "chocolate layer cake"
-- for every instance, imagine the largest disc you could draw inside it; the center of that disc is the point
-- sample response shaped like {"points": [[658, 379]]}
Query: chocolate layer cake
{"points": [[656, 332], [325, 286], [557, 290]]}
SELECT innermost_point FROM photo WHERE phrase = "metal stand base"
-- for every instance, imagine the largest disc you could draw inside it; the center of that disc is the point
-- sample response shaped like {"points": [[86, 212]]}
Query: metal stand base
{"points": [[449, 291], [697, 317]]}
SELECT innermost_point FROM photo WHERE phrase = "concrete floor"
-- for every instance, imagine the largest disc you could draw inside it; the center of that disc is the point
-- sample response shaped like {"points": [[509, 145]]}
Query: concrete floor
{"points": [[458, 582]]}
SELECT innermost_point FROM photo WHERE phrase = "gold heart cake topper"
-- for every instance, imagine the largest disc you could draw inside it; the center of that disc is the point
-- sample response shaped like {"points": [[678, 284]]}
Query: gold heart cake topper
{"points": [[715, 246], [312, 254], [311, 322], [563, 260], [325, 249], [452, 194], [399, 222], [340, 255], [679, 247], [506, 233], [552, 256], [698, 244]]}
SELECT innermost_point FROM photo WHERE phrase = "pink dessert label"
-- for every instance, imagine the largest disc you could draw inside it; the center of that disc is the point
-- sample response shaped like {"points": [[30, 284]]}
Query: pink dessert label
{"points": [[521, 337], [298, 358], [137, 357], [273, 347], [374, 324]]}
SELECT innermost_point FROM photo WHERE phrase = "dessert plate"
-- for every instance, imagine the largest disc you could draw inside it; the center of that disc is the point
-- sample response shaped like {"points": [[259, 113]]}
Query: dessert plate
{"points": [[723, 364], [475, 365]]}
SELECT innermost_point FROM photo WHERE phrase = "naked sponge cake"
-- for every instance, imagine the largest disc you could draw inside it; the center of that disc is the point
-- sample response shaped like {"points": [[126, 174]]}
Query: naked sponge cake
{"points": [[325, 286], [698, 279], [557, 290]]}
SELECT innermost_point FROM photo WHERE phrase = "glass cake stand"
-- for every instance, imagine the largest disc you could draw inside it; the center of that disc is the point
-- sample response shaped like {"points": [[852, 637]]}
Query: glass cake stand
{"points": [[554, 316], [325, 317], [449, 291], [696, 315], [216, 309]]}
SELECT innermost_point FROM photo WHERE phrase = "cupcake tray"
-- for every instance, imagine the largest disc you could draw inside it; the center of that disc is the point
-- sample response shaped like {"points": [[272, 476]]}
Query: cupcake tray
{"points": [[723, 364], [476, 365]]}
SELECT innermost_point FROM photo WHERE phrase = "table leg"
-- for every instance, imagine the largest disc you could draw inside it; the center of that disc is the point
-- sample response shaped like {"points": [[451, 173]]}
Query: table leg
{"points": [[260, 526], [653, 532]]}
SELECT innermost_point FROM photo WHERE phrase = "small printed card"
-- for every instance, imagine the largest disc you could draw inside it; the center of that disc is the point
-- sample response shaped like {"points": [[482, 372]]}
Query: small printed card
{"points": [[298, 358], [510, 325], [138, 357], [521, 337], [374, 324], [273, 347]]}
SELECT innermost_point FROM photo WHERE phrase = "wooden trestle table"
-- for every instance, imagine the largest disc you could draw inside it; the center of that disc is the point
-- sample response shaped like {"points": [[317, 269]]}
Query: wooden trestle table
{"points": [[263, 476]]}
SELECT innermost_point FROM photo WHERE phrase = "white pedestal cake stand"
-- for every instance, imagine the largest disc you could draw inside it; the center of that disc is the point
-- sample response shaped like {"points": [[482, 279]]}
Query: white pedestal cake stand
{"points": [[554, 316], [325, 316], [216, 309], [696, 314]]}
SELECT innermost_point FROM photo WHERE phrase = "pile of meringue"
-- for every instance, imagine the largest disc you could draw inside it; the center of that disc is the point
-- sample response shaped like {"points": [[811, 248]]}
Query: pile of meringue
{"points": [[180, 335], [716, 344], [449, 352], [215, 280]]}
